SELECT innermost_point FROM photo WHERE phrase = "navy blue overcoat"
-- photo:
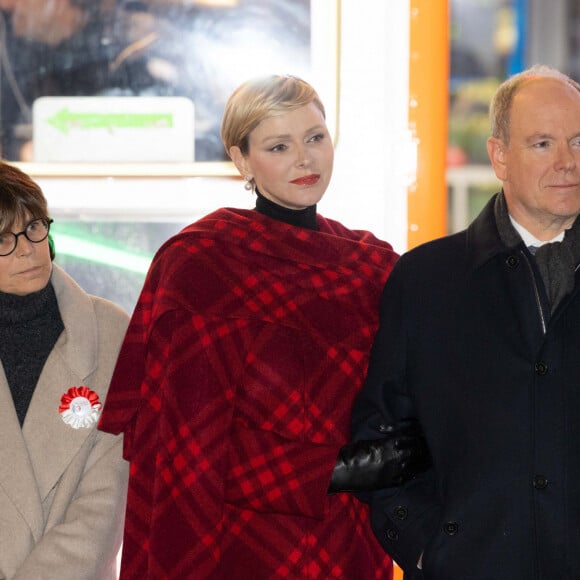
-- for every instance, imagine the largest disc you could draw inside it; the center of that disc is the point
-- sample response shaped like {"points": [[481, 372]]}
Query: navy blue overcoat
{"points": [[465, 347]]}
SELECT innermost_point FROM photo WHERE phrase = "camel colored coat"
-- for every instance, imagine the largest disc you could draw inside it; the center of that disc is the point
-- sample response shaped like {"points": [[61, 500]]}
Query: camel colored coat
{"points": [[63, 490]]}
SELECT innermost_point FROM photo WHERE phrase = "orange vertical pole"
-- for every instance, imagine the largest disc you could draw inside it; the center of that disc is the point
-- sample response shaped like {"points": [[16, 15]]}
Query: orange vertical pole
{"points": [[428, 118], [398, 573]]}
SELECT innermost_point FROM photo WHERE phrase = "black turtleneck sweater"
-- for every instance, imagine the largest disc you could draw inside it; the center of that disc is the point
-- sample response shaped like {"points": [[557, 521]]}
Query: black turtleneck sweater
{"points": [[303, 218], [29, 328]]}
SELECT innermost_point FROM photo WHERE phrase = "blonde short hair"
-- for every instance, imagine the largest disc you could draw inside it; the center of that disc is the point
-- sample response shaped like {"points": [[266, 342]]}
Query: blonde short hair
{"points": [[258, 99]]}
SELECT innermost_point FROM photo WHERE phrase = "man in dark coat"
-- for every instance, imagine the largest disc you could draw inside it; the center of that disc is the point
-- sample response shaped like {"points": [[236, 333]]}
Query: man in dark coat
{"points": [[479, 339]]}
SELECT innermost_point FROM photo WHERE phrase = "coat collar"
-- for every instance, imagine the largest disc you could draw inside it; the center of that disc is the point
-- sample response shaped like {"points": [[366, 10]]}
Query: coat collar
{"points": [[78, 345], [484, 243], [35, 456], [483, 239], [73, 359]]}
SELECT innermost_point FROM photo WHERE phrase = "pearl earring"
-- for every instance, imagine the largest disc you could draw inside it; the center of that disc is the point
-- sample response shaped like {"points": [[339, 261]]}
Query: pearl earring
{"points": [[248, 185]]}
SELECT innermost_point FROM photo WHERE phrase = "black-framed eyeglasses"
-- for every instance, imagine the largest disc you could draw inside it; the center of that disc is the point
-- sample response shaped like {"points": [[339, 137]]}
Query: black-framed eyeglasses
{"points": [[35, 231]]}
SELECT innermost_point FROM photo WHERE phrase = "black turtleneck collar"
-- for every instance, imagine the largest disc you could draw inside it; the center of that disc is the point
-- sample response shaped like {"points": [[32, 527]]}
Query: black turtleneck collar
{"points": [[15, 309], [29, 328], [303, 218]]}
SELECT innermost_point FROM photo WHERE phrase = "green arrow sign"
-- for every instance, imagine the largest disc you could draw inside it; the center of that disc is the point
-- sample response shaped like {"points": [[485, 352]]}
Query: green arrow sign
{"points": [[65, 120]]}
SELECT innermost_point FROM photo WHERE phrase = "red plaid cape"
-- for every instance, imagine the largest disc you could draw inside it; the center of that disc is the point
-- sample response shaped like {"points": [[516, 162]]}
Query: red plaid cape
{"points": [[234, 389]]}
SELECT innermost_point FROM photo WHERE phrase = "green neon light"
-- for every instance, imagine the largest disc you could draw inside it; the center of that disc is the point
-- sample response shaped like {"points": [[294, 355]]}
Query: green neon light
{"points": [[65, 120], [100, 254]]}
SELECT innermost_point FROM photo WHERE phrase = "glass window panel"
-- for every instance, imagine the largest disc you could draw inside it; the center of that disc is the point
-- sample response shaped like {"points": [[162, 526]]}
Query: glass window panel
{"points": [[110, 258]]}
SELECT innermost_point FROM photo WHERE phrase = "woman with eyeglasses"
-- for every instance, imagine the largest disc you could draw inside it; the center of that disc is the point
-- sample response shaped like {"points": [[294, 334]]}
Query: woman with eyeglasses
{"points": [[62, 482]]}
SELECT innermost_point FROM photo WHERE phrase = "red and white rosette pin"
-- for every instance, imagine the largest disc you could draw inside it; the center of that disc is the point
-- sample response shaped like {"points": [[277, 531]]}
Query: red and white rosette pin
{"points": [[80, 407]]}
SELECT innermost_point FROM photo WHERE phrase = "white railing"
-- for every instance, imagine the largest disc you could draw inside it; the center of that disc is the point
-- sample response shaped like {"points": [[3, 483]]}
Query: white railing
{"points": [[459, 182]]}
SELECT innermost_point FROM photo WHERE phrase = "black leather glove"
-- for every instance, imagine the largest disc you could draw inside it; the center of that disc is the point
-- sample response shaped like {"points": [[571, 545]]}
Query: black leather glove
{"points": [[368, 465]]}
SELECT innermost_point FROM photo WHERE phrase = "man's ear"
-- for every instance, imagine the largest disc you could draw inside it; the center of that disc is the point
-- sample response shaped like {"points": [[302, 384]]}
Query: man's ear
{"points": [[241, 162], [497, 156]]}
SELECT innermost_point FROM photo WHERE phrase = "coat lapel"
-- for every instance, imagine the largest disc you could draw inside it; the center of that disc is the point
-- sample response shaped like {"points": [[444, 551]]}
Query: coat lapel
{"points": [[514, 288], [51, 442], [17, 478]]}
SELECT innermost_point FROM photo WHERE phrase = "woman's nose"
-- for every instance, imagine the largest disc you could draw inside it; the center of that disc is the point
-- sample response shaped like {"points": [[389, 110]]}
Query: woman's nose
{"points": [[303, 158], [23, 246]]}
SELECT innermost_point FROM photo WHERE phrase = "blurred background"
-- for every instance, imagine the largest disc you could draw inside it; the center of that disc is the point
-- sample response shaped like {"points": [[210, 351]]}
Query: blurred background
{"points": [[64, 65]]}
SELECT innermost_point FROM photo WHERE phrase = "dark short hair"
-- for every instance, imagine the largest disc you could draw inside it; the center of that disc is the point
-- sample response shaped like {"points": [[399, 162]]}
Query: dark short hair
{"points": [[21, 198]]}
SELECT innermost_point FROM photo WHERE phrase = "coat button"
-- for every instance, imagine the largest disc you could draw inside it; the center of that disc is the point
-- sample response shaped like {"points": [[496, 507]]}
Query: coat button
{"points": [[392, 535], [512, 262], [541, 368], [451, 528], [401, 512], [540, 482]]}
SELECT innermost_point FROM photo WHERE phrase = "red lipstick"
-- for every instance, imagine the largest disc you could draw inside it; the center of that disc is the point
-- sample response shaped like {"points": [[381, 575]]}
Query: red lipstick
{"points": [[306, 180]]}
